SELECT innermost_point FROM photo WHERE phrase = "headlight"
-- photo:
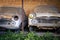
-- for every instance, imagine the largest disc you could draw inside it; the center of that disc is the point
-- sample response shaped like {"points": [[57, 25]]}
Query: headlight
{"points": [[31, 16], [16, 18]]}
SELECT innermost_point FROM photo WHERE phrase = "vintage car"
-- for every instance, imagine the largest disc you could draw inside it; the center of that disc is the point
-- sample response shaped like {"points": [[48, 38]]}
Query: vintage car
{"points": [[44, 17], [11, 18]]}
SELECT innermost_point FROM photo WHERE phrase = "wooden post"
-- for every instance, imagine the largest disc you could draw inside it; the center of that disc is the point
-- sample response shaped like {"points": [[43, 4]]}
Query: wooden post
{"points": [[22, 16]]}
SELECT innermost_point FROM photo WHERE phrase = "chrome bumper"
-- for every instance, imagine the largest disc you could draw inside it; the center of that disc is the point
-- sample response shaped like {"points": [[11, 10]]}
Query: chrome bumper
{"points": [[9, 26], [43, 24], [46, 24]]}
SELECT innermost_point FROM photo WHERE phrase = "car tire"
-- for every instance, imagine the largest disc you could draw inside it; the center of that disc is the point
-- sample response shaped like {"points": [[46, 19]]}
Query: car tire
{"points": [[31, 28], [19, 29], [58, 30]]}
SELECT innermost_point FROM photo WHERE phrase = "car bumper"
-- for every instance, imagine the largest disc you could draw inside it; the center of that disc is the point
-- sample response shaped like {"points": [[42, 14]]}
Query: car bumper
{"points": [[46, 24], [9, 26], [5, 30], [43, 24]]}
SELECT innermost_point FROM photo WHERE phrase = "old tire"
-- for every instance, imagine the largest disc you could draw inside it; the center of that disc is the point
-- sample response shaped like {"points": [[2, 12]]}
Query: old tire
{"points": [[31, 28], [58, 30]]}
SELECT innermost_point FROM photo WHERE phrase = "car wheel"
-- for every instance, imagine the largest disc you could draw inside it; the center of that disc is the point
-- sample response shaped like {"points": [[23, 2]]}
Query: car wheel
{"points": [[19, 29], [58, 31], [31, 28]]}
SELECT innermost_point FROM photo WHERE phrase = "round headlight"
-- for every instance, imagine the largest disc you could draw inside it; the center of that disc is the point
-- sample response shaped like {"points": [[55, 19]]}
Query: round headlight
{"points": [[16, 18], [31, 16]]}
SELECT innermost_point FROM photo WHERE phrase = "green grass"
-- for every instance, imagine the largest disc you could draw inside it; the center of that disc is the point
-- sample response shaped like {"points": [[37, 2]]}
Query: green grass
{"points": [[28, 36]]}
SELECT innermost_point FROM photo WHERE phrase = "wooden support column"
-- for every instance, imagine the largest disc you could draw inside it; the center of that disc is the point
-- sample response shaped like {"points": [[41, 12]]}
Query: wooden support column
{"points": [[22, 16]]}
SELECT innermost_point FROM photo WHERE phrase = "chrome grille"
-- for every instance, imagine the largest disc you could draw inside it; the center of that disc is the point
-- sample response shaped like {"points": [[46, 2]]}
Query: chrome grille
{"points": [[4, 21], [48, 20]]}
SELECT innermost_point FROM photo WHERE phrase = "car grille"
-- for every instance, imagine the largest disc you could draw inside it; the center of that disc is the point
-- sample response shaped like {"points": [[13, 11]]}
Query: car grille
{"points": [[47, 20], [4, 21]]}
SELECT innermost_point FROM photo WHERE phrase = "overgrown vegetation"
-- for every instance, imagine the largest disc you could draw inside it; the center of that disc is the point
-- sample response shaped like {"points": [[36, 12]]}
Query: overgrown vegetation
{"points": [[28, 36]]}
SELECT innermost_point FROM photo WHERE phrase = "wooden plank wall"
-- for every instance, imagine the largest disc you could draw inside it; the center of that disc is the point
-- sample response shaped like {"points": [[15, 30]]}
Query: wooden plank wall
{"points": [[29, 4]]}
